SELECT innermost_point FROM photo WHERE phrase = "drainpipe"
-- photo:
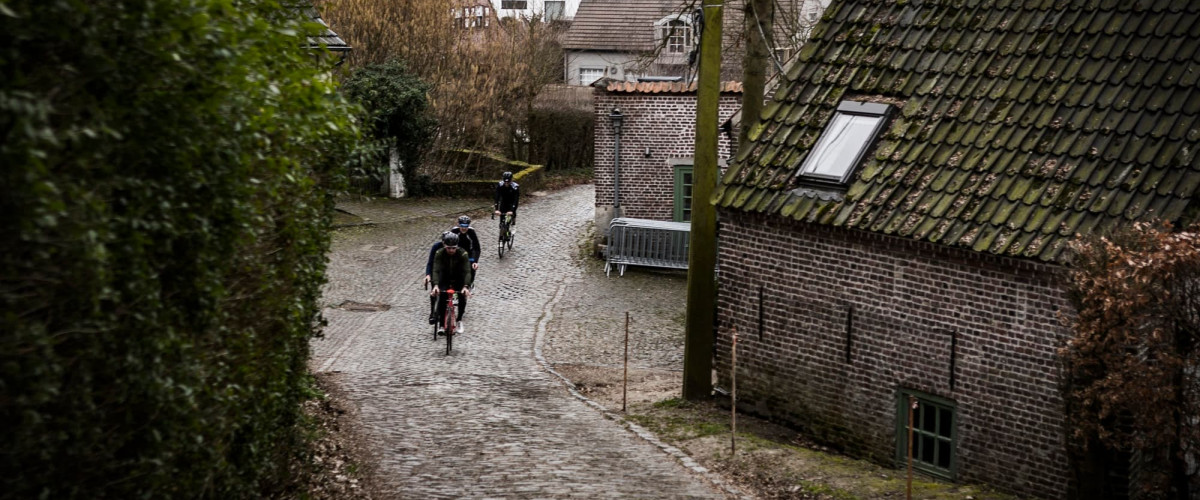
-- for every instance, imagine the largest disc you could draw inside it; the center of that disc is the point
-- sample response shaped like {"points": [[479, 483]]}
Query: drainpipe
{"points": [[616, 118]]}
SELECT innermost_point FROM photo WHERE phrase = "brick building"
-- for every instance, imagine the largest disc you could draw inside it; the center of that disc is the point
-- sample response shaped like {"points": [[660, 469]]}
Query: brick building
{"points": [[905, 208], [658, 142]]}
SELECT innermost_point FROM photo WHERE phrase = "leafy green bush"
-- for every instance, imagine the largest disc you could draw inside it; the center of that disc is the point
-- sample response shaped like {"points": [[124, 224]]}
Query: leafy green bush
{"points": [[164, 199], [396, 114]]}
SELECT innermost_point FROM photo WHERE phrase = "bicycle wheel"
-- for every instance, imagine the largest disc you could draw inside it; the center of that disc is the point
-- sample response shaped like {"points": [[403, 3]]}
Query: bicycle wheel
{"points": [[500, 247]]}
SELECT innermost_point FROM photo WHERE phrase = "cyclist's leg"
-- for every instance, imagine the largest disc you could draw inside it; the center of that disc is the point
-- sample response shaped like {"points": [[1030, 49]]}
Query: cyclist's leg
{"points": [[442, 299], [432, 309]]}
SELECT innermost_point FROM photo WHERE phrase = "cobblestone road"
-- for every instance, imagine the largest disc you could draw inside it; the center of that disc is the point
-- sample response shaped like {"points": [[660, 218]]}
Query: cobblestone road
{"points": [[487, 420]]}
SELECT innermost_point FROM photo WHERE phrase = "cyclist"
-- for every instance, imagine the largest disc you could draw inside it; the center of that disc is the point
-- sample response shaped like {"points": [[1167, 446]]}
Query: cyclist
{"points": [[507, 197], [469, 242], [428, 270], [472, 245], [451, 269]]}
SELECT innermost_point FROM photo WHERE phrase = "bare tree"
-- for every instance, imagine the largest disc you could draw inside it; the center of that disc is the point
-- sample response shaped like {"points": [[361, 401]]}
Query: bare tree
{"points": [[483, 75]]}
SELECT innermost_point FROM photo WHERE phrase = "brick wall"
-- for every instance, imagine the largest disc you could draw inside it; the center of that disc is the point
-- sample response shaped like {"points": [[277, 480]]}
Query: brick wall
{"points": [[907, 298], [666, 124]]}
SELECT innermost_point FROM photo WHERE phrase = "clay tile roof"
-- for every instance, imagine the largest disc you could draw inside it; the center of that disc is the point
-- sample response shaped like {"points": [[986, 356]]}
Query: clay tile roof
{"points": [[618, 24], [628, 25], [665, 87], [1020, 123]]}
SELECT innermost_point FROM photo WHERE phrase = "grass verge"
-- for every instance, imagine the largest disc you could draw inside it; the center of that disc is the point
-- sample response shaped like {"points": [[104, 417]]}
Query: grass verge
{"points": [[772, 461]]}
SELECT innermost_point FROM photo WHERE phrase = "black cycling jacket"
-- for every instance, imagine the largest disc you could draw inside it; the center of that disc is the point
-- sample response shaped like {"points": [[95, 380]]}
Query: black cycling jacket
{"points": [[472, 244], [507, 197]]}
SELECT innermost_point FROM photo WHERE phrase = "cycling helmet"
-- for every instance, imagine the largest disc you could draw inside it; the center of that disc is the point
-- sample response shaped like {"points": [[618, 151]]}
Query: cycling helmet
{"points": [[507, 176], [450, 240], [464, 221]]}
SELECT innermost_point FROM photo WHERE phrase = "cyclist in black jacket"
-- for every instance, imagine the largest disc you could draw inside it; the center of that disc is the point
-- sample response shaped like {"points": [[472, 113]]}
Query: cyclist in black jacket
{"points": [[429, 270], [508, 197], [471, 244], [468, 241], [451, 269]]}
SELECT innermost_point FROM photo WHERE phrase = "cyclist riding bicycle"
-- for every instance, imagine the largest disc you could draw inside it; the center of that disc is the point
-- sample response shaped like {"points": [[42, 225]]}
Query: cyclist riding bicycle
{"points": [[428, 270], [451, 270], [508, 197], [471, 244]]}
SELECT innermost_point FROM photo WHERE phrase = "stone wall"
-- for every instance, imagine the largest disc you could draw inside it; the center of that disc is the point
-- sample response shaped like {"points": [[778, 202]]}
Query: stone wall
{"points": [[850, 317], [484, 171]]}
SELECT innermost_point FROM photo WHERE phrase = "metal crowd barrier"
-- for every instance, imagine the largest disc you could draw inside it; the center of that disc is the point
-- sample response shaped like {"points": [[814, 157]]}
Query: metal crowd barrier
{"points": [[642, 242]]}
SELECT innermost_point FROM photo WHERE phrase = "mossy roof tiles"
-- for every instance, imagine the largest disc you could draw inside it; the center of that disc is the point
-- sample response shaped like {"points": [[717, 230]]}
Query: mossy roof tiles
{"points": [[1020, 122]]}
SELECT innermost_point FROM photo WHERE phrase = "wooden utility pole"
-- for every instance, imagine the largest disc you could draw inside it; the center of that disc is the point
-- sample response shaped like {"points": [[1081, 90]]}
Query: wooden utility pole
{"points": [[702, 260]]}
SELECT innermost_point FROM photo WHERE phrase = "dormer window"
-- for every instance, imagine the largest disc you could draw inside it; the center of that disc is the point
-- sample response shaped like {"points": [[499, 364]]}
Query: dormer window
{"points": [[842, 145], [675, 33]]}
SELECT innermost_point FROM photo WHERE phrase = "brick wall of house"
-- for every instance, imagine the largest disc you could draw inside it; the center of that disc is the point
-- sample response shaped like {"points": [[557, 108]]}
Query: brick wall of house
{"points": [[907, 299], [664, 123]]}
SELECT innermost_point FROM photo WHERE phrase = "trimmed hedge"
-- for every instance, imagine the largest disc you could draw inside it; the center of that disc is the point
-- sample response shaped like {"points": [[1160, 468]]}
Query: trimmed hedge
{"points": [[562, 138], [164, 198]]}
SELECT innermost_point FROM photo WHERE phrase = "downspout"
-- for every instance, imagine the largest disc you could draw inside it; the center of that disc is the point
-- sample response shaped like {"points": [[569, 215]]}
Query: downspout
{"points": [[616, 118]]}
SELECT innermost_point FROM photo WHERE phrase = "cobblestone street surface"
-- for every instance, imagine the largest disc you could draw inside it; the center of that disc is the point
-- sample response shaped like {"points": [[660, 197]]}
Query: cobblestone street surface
{"points": [[489, 420]]}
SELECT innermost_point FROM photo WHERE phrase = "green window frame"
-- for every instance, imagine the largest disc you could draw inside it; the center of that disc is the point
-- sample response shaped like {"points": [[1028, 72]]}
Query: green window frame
{"points": [[683, 192], [935, 434]]}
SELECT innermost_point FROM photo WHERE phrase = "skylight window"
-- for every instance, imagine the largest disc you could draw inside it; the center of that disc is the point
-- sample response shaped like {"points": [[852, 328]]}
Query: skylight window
{"points": [[844, 142]]}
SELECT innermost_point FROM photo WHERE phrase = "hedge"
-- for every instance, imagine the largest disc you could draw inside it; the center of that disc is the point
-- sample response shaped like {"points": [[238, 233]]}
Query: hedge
{"points": [[164, 198], [562, 138]]}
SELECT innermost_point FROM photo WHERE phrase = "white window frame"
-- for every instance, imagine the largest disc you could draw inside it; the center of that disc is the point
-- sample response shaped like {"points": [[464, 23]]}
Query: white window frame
{"points": [[582, 69], [867, 119], [562, 14], [675, 26]]}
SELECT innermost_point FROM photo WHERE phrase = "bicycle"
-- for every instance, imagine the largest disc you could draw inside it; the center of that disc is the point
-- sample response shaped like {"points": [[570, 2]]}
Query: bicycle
{"points": [[449, 321], [506, 235]]}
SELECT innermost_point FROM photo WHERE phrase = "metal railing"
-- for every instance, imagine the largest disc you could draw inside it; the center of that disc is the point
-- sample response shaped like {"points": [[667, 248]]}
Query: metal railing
{"points": [[642, 242]]}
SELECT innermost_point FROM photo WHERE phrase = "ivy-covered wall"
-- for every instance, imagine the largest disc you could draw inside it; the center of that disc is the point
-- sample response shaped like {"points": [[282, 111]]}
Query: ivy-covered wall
{"points": [[164, 199]]}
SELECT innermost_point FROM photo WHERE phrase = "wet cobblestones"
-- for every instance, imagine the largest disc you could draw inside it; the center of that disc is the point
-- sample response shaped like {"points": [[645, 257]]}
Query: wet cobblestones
{"points": [[589, 323], [486, 421]]}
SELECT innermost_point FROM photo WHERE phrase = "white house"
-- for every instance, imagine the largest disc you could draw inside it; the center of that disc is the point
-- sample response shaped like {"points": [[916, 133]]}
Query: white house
{"points": [[635, 40], [551, 10]]}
